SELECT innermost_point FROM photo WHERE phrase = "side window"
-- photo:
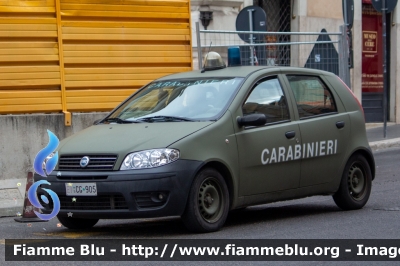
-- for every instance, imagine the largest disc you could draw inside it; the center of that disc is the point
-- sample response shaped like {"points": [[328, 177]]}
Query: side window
{"points": [[267, 98], [312, 96]]}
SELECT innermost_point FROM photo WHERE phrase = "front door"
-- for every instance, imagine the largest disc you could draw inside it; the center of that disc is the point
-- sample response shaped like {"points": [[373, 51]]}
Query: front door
{"points": [[267, 154]]}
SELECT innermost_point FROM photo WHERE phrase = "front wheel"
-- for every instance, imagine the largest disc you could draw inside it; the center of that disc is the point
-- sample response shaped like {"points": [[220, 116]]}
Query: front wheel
{"points": [[355, 187], [208, 202], [75, 223]]}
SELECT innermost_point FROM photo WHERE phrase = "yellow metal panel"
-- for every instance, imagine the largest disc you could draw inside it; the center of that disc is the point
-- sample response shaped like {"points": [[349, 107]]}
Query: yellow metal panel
{"points": [[41, 51], [191, 48], [25, 69], [123, 47], [133, 37], [40, 75], [25, 27], [77, 77], [124, 70], [13, 45], [119, 60], [119, 14], [92, 106], [112, 48], [29, 3], [114, 92], [96, 99], [67, 115], [126, 53], [24, 58], [113, 6], [30, 108], [28, 101], [125, 24], [133, 2], [123, 31], [31, 82], [29, 94], [29, 9], [31, 20], [35, 34], [106, 83]]}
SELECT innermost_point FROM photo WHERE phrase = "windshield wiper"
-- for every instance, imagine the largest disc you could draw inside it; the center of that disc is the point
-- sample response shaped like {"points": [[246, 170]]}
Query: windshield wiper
{"points": [[120, 121], [164, 118]]}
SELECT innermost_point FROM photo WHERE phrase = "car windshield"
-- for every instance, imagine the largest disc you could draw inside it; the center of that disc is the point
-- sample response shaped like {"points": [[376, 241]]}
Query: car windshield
{"points": [[178, 100]]}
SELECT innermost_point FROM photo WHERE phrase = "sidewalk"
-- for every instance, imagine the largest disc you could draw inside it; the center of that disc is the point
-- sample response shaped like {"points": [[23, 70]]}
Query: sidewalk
{"points": [[375, 136]]}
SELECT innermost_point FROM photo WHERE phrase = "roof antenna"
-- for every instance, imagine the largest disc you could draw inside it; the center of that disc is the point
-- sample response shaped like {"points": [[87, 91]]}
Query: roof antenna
{"points": [[204, 66]]}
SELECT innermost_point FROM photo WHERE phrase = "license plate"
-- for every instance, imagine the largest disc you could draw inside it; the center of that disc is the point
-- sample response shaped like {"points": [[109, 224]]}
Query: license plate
{"points": [[81, 189]]}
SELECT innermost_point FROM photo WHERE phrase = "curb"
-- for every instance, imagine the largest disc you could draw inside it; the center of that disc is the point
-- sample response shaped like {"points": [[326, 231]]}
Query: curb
{"points": [[384, 144]]}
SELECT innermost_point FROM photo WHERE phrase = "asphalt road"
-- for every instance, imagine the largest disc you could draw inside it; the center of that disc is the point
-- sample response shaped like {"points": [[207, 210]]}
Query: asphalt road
{"points": [[310, 218]]}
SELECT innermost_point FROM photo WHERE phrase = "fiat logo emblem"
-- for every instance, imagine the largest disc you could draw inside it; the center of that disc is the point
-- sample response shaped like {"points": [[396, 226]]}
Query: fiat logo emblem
{"points": [[84, 161]]}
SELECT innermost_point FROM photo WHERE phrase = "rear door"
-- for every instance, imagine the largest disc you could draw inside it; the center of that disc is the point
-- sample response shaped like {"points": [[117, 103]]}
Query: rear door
{"points": [[324, 127]]}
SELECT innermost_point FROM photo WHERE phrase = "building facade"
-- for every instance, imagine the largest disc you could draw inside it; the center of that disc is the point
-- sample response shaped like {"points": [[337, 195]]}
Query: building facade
{"points": [[313, 16]]}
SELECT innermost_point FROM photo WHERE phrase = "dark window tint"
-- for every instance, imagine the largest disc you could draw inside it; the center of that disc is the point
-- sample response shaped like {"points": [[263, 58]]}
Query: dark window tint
{"points": [[267, 98], [312, 96]]}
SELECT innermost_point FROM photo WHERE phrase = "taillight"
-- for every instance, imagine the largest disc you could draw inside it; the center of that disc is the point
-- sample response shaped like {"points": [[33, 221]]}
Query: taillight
{"points": [[352, 93]]}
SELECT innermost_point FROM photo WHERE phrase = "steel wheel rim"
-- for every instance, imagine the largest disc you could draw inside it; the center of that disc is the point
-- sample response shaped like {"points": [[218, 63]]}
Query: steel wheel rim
{"points": [[356, 182], [210, 199]]}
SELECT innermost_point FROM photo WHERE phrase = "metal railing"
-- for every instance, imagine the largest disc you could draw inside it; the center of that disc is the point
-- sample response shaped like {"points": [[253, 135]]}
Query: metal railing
{"points": [[319, 50]]}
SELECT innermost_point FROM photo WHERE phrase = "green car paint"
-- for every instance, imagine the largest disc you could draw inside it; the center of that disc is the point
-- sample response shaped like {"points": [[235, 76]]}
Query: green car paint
{"points": [[305, 147]]}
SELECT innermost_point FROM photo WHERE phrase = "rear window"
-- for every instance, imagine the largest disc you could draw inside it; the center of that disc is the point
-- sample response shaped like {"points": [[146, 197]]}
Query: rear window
{"points": [[312, 96]]}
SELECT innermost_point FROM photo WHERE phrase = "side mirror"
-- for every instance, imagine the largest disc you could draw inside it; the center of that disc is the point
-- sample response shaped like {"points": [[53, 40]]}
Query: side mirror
{"points": [[252, 120], [97, 121]]}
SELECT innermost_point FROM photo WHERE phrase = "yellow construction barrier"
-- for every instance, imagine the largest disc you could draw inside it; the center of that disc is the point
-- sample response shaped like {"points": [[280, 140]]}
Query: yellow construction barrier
{"points": [[87, 55]]}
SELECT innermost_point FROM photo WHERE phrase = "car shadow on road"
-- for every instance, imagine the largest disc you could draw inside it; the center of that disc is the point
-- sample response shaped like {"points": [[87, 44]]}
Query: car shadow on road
{"points": [[173, 227], [265, 213]]}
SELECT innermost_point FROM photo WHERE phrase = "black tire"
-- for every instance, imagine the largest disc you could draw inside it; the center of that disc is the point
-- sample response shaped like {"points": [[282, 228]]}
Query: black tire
{"points": [[355, 187], [208, 203], [75, 223]]}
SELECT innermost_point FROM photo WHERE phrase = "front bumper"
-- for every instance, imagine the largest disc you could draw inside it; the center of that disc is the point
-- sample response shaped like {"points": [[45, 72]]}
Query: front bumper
{"points": [[125, 194]]}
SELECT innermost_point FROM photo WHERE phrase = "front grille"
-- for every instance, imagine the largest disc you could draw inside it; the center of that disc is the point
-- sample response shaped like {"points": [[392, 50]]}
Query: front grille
{"points": [[104, 202], [81, 177], [96, 162], [150, 199]]}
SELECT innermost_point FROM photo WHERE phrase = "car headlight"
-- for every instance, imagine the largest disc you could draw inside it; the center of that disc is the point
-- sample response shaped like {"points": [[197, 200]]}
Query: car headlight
{"points": [[149, 159]]}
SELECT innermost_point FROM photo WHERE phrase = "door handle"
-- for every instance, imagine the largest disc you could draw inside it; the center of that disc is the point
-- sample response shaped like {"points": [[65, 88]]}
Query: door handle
{"points": [[290, 134], [340, 124]]}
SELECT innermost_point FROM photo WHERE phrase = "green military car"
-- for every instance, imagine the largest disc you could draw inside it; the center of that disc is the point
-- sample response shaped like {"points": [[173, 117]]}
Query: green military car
{"points": [[199, 144]]}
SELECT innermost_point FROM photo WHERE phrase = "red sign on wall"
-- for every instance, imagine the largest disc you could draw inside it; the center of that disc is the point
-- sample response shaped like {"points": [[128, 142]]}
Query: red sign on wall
{"points": [[372, 61], [370, 42]]}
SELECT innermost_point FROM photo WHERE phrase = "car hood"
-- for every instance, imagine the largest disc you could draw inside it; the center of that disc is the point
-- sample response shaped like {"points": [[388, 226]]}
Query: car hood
{"points": [[125, 138]]}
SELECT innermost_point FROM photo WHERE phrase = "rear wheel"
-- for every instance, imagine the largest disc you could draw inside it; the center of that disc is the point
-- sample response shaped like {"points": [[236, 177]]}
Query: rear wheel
{"points": [[355, 187], [75, 223], [208, 202]]}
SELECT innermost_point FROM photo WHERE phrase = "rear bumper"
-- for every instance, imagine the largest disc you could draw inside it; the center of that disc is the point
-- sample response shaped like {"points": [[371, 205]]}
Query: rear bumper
{"points": [[126, 194]]}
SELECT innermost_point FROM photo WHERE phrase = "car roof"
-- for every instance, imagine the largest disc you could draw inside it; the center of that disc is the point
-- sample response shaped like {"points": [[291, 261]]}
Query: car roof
{"points": [[240, 71]]}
